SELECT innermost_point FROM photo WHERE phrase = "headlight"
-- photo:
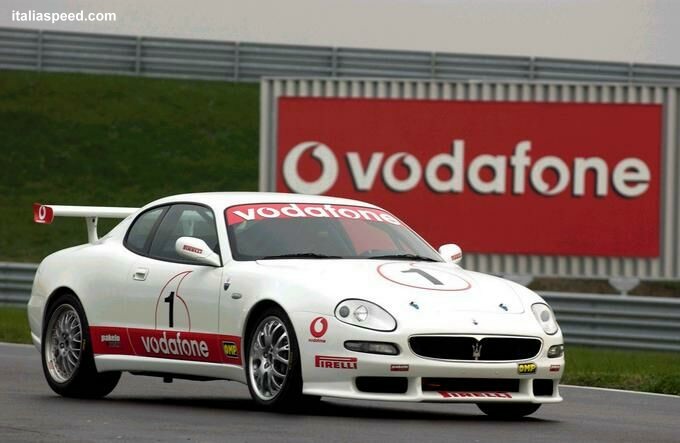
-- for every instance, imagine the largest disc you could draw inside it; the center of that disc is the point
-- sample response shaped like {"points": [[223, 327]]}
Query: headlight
{"points": [[556, 351], [365, 314], [545, 318]]}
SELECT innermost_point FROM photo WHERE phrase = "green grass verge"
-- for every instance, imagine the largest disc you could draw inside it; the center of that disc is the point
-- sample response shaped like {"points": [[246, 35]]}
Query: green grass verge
{"points": [[113, 140], [621, 369], [607, 368], [14, 325]]}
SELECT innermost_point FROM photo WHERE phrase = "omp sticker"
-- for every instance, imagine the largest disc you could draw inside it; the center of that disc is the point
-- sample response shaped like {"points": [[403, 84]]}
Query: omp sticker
{"points": [[526, 368], [242, 213], [230, 349]]}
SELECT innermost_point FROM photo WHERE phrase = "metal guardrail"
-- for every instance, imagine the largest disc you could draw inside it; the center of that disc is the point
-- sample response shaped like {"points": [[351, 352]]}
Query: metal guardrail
{"points": [[16, 280], [632, 322], [241, 61], [650, 323]]}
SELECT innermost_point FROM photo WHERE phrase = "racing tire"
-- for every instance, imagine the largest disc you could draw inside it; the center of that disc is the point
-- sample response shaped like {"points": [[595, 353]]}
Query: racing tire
{"points": [[272, 360], [66, 351], [508, 411]]}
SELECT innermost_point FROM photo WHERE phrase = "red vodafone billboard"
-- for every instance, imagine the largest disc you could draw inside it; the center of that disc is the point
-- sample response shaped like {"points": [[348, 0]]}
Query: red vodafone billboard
{"points": [[530, 178]]}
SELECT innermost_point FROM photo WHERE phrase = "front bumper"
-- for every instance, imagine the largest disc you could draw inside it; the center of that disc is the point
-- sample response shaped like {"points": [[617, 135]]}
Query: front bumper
{"points": [[341, 383], [330, 370]]}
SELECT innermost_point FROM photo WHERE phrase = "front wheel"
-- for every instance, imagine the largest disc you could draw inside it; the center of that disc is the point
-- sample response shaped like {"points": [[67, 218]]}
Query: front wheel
{"points": [[508, 411], [67, 359], [273, 363]]}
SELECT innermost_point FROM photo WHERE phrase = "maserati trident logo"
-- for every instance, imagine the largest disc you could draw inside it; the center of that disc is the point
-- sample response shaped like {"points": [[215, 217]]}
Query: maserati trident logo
{"points": [[477, 350]]}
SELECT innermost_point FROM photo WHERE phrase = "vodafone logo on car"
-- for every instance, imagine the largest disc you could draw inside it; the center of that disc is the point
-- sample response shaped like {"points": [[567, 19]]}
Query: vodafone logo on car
{"points": [[629, 177], [318, 328], [496, 177], [175, 346]]}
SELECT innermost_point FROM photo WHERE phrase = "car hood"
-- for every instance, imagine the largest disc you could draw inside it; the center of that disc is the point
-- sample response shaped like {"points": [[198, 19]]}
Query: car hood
{"points": [[404, 288]]}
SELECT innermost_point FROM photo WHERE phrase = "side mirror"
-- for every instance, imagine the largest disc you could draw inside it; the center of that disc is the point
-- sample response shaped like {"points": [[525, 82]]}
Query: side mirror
{"points": [[451, 253], [197, 250]]}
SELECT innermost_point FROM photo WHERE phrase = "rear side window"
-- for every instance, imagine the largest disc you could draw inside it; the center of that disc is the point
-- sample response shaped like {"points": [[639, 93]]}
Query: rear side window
{"points": [[141, 229], [183, 220]]}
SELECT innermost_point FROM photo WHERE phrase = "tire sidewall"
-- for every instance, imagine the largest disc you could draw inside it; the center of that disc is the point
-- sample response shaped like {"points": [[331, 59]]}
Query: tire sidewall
{"points": [[86, 362]]}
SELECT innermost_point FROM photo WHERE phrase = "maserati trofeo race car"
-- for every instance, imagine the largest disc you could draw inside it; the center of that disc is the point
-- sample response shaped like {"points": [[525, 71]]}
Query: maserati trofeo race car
{"points": [[299, 297]]}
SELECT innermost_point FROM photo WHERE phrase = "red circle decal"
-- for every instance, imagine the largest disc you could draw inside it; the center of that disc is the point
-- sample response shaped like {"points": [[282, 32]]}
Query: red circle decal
{"points": [[315, 330]]}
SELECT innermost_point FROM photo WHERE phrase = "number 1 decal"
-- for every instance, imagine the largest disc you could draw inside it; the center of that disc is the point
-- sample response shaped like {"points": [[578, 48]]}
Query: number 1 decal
{"points": [[172, 294], [431, 277], [424, 274], [170, 299]]}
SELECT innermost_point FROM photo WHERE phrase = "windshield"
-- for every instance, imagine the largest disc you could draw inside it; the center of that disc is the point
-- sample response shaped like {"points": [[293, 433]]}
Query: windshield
{"points": [[317, 231]]}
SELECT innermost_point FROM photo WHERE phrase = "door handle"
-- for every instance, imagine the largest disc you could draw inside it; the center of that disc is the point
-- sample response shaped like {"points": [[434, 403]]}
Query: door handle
{"points": [[140, 274]]}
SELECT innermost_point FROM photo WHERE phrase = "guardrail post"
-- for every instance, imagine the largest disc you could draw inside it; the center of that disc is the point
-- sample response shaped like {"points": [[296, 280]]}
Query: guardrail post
{"points": [[631, 73], [138, 56], [433, 65], [39, 61], [334, 61], [237, 57]]}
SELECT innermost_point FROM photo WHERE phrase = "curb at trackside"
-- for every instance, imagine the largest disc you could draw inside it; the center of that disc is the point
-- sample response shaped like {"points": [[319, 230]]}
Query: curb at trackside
{"points": [[16, 344], [624, 391]]}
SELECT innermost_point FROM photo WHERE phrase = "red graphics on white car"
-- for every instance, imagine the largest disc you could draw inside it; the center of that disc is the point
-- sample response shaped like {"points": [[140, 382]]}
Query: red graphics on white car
{"points": [[299, 297]]}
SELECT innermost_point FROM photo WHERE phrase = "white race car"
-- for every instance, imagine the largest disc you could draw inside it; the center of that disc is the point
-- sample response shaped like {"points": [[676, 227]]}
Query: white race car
{"points": [[299, 297]]}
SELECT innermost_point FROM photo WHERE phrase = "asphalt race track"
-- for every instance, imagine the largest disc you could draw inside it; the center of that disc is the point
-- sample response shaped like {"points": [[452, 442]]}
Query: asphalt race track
{"points": [[146, 409]]}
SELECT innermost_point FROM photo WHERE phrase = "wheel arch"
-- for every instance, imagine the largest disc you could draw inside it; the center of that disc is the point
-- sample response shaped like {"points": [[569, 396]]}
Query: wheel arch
{"points": [[255, 311], [54, 295]]}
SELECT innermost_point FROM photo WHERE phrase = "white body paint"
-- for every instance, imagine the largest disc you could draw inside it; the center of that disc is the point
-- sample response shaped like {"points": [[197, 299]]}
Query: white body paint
{"points": [[102, 275]]}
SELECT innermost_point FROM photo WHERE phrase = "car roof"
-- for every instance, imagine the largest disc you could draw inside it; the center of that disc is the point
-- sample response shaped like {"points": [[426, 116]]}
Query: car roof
{"points": [[222, 200]]}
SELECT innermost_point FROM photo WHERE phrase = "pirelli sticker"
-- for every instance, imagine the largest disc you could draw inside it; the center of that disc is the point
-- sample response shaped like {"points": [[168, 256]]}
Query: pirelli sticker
{"points": [[526, 368]]}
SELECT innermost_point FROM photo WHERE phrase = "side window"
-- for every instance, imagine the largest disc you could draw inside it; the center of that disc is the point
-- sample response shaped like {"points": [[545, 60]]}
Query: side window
{"points": [[183, 221], [139, 232]]}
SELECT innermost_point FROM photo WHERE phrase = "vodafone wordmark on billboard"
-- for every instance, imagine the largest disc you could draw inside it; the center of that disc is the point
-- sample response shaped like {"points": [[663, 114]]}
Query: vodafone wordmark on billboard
{"points": [[495, 177]]}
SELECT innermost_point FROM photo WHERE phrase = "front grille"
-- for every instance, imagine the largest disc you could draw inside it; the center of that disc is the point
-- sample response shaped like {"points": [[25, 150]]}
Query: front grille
{"points": [[469, 348], [471, 384]]}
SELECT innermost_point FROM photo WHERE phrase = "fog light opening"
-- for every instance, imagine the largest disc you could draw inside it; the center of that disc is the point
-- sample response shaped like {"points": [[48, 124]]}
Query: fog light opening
{"points": [[372, 347]]}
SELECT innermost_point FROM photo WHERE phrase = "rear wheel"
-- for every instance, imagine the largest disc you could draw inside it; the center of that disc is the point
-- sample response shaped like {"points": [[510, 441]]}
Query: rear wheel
{"points": [[273, 363], [508, 411], [67, 359]]}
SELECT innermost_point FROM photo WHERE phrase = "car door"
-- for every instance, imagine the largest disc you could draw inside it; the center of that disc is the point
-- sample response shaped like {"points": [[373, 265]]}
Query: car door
{"points": [[172, 303]]}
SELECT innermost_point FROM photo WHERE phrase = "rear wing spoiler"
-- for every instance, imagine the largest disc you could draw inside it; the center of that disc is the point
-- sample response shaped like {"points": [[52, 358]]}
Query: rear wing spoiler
{"points": [[44, 214]]}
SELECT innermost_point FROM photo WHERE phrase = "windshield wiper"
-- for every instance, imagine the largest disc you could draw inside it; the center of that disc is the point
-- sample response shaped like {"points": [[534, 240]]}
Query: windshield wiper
{"points": [[299, 255], [402, 257]]}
